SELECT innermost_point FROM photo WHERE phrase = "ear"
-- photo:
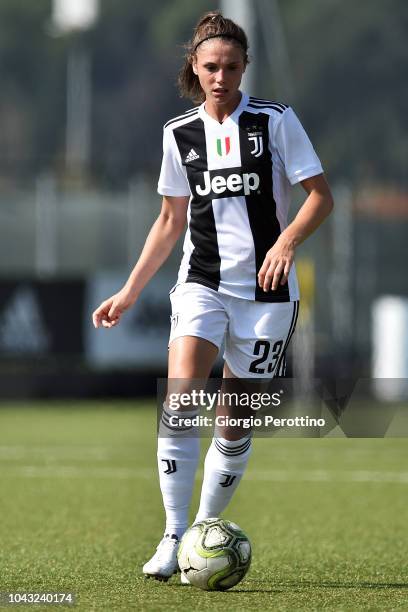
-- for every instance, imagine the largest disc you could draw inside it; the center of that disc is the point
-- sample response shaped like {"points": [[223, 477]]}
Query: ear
{"points": [[194, 65]]}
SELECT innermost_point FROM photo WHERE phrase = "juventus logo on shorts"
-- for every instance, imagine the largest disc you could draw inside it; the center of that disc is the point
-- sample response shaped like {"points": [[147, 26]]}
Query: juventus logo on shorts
{"points": [[257, 140], [171, 466], [229, 479], [174, 320]]}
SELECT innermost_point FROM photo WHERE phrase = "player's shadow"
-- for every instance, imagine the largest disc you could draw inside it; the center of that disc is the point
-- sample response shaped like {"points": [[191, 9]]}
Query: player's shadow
{"points": [[238, 590]]}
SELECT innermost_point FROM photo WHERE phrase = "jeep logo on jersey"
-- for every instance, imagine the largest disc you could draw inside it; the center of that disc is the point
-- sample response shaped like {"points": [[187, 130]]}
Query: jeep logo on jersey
{"points": [[231, 183]]}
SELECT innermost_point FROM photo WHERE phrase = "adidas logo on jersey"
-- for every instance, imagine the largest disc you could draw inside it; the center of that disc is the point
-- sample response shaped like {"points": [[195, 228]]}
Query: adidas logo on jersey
{"points": [[191, 156], [234, 183]]}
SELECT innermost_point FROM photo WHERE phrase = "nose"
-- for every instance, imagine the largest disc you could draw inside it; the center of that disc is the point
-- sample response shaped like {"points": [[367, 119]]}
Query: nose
{"points": [[220, 78]]}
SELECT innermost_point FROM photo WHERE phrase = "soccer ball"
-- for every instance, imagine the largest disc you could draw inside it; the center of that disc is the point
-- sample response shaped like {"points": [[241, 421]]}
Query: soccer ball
{"points": [[214, 554]]}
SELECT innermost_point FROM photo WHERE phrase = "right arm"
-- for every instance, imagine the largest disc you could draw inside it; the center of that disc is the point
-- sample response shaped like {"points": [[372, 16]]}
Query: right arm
{"points": [[159, 243]]}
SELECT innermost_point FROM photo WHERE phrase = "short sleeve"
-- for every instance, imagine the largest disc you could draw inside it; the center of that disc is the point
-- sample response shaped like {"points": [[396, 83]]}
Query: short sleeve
{"points": [[173, 179], [295, 149]]}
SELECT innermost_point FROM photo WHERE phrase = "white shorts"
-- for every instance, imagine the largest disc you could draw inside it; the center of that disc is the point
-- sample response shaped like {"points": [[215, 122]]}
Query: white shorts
{"points": [[256, 334]]}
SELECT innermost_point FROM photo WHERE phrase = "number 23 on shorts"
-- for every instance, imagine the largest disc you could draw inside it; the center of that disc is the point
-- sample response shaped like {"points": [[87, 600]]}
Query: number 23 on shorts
{"points": [[267, 358]]}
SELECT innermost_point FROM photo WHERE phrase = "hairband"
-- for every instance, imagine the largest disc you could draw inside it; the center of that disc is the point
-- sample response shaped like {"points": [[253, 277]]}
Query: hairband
{"points": [[231, 36]]}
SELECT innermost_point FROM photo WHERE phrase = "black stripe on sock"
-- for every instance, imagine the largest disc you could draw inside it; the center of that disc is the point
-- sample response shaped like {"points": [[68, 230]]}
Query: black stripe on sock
{"points": [[180, 414], [230, 452], [227, 447]]}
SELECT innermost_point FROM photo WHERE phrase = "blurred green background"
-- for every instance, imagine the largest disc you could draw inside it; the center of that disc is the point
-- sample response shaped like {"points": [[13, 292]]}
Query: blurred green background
{"points": [[82, 109], [347, 69]]}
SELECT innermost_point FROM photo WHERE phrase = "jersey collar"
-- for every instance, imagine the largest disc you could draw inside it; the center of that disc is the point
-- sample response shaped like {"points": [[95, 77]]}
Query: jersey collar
{"points": [[233, 117]]}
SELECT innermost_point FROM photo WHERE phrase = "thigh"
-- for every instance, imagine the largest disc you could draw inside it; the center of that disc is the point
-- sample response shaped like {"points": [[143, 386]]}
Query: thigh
{"points": [[258, 336], [199, 321], [199, 312], [191, 357]]}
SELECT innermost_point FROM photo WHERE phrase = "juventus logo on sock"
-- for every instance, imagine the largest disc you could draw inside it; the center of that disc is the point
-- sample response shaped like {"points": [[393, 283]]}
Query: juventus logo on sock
{"points": [[229, 479], [171, 466]]}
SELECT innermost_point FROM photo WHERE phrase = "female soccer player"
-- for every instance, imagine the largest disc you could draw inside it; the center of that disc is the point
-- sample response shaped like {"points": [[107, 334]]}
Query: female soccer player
{"points": [[227, 169]]}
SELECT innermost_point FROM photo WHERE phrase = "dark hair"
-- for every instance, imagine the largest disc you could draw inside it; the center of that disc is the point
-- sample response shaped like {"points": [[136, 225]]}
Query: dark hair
{"points": [[211, 25]]}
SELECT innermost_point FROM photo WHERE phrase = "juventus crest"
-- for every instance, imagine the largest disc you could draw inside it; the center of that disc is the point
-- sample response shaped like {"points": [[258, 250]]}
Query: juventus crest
{"points": [[256, 138]]}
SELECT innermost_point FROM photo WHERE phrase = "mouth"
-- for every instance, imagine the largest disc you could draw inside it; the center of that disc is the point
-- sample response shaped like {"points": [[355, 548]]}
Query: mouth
{"points": [[220, 91]]}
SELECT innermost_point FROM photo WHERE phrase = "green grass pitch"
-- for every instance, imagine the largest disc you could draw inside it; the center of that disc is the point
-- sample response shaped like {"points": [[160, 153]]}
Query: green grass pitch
{"points": [[81, 511]]}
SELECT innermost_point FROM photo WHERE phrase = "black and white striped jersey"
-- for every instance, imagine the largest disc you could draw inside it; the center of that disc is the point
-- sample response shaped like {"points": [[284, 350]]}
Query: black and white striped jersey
{"points": [[238, 176]]}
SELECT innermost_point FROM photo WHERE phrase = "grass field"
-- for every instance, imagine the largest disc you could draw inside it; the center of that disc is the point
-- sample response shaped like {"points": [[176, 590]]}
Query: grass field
{"points": [[80, 511]]}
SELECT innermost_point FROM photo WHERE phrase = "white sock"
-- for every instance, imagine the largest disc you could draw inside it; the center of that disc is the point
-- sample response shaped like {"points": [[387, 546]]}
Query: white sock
{"points": [[178, 450], [224, 466]]}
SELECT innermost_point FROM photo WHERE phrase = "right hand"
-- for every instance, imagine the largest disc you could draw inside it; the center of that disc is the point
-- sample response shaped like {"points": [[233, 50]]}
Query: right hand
{"points": [[110, 311]]}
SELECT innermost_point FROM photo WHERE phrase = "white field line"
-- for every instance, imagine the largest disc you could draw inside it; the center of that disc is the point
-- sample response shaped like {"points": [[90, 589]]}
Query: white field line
{"points": [[68, 471], [103, 453], [330, 476], [119, 473]]}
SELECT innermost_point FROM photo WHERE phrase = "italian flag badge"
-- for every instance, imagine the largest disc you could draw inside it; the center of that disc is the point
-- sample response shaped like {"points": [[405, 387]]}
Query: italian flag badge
{"points": [[223, 146]]}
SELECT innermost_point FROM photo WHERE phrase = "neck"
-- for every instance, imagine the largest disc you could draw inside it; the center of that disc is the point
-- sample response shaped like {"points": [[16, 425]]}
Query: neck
{"points": [[220, 112]]}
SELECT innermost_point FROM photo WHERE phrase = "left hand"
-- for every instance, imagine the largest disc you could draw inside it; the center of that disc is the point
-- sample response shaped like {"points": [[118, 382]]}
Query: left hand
{"points": [[276, 266], [278, 260]]}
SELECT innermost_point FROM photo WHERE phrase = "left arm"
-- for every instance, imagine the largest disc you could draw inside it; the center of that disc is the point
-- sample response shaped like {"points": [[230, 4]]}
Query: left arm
{"points": [[278, 260]]}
